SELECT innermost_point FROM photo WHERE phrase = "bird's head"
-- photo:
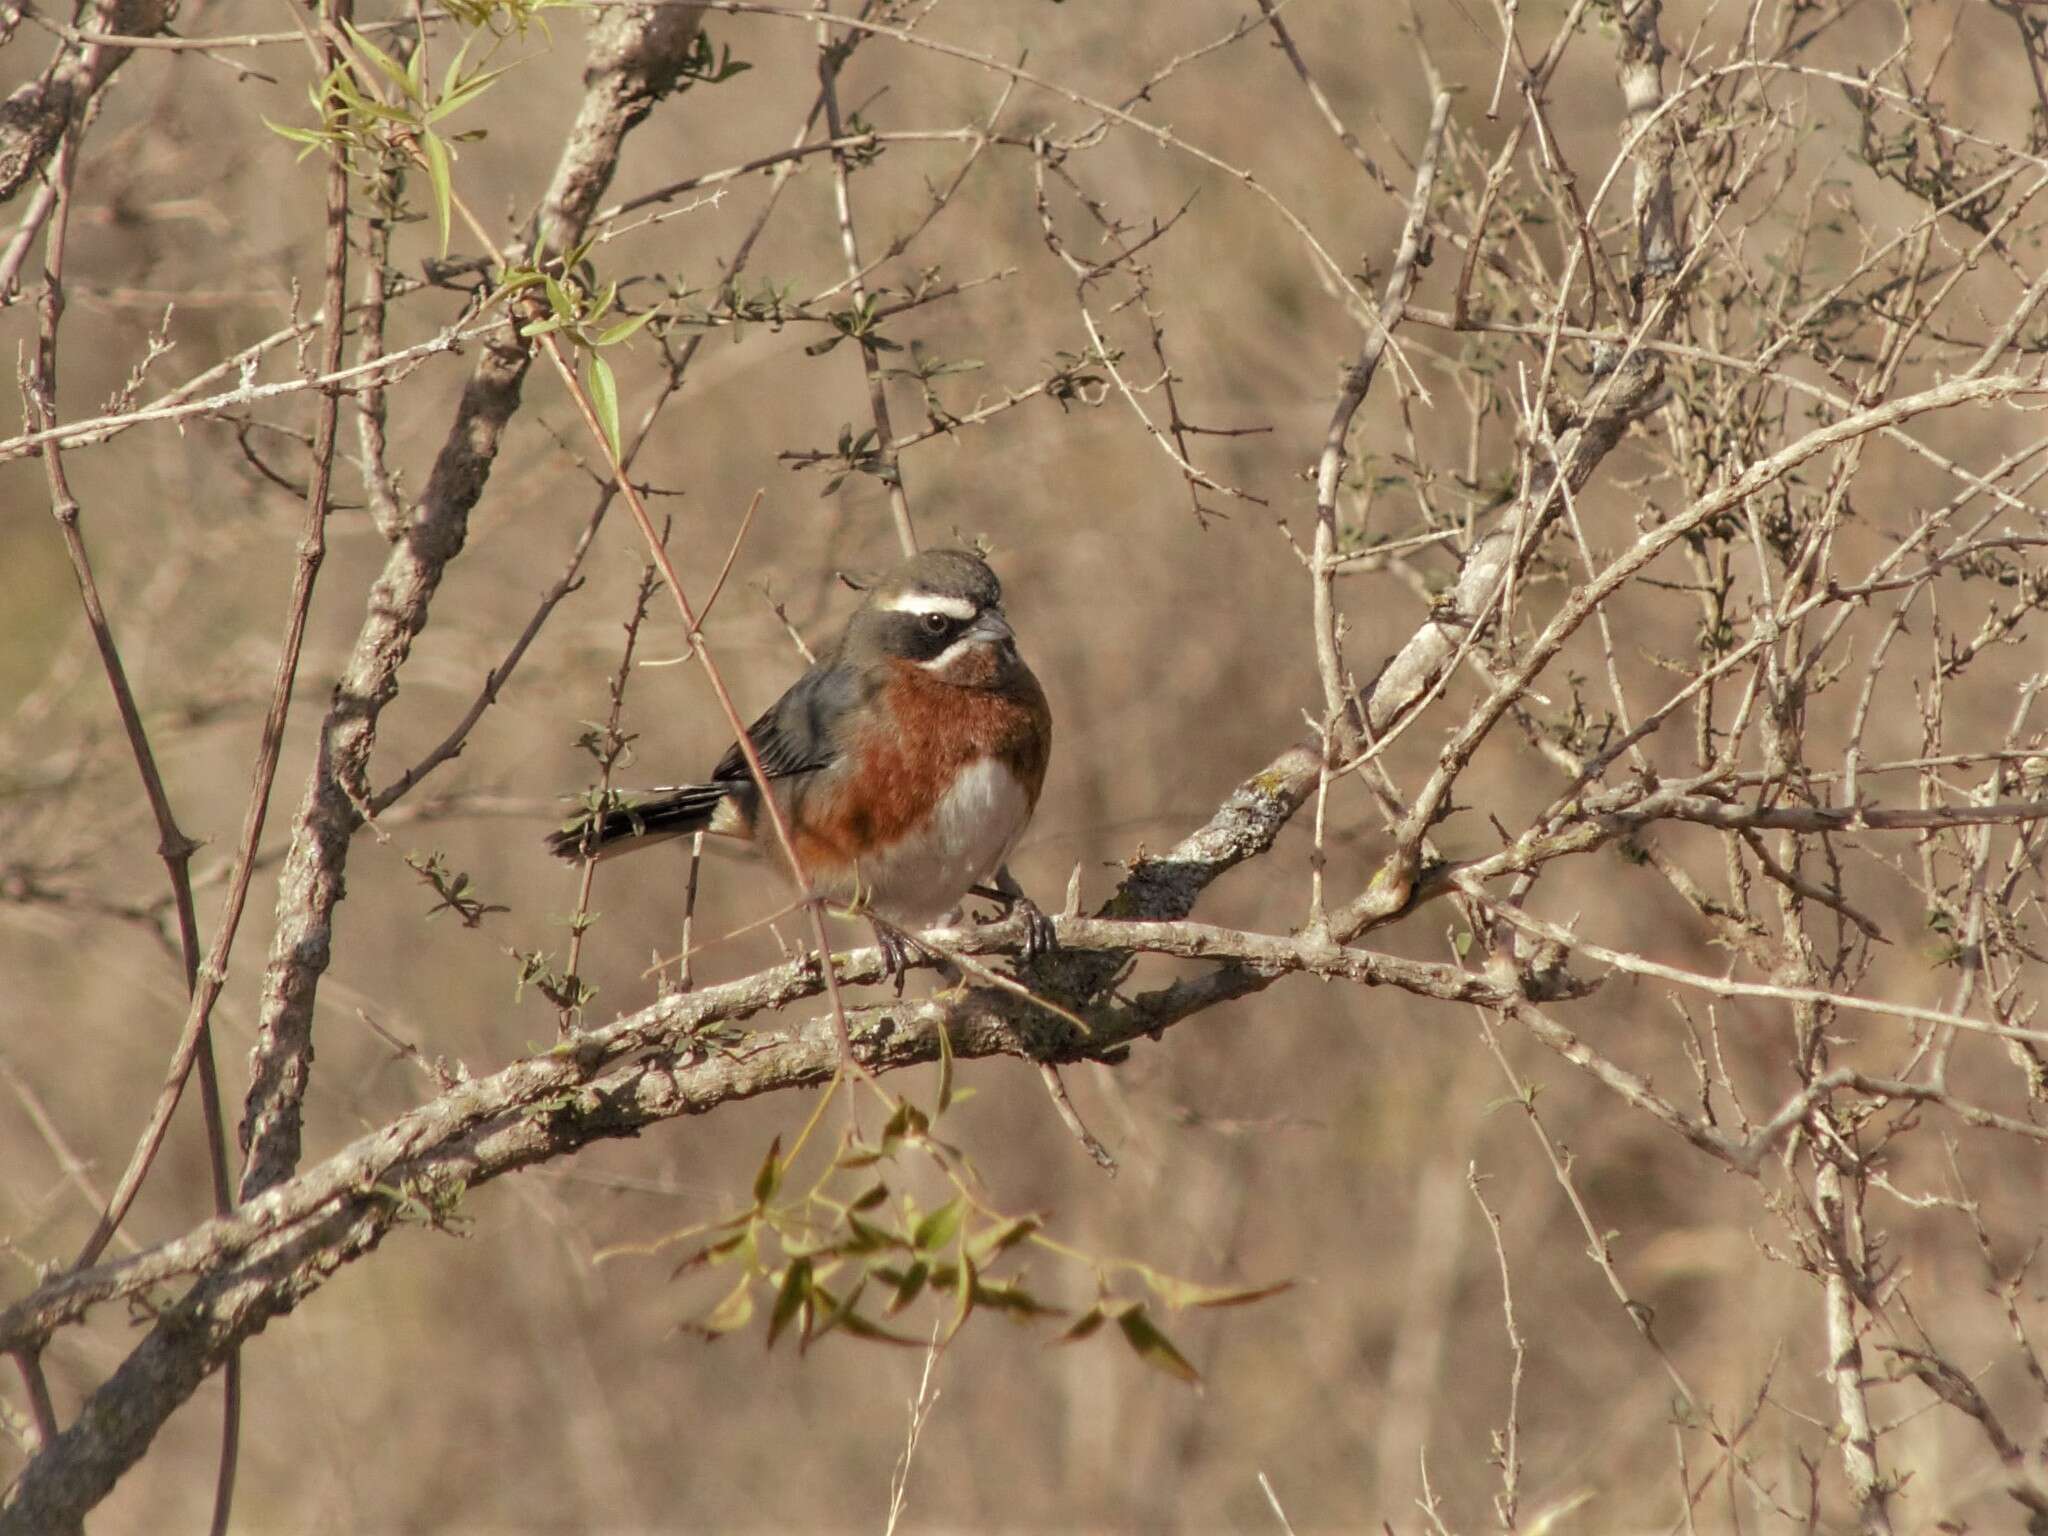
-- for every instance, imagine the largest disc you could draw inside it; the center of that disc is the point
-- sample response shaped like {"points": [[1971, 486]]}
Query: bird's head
{"points": [[941, 611]]}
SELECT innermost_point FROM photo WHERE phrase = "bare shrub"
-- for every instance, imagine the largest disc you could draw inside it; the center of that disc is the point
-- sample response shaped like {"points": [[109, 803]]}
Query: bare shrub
{"points": [[1611, 804]]}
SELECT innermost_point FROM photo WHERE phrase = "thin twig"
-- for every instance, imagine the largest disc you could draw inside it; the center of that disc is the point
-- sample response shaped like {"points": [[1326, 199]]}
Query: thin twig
{"points": [[891, 472]]}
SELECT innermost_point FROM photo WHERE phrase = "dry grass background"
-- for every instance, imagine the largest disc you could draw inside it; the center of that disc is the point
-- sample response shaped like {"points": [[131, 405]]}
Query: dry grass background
{"points": [[502, 1380]]}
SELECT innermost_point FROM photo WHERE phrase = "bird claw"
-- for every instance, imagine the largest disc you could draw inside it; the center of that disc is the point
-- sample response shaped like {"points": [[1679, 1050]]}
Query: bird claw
{"points": [[1039, 937], [898, 950]]}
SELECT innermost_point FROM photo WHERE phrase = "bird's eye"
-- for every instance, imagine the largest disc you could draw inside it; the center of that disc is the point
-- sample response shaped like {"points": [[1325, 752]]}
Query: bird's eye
{"points": [[935, 623]]}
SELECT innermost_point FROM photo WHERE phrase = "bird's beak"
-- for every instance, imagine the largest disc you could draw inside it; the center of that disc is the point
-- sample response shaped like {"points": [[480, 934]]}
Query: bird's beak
{"points": [[990, 625]]}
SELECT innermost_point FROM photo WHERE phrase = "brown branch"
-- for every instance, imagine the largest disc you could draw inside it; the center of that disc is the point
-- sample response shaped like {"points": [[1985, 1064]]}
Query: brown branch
{"points": [[1842, 1246], [649, 1065], [849, 243], [1329, 264], [173, 846], [635, 57], [39, 115], [1585, 599], [1339, 701], [451, 745], [1345, 136]]}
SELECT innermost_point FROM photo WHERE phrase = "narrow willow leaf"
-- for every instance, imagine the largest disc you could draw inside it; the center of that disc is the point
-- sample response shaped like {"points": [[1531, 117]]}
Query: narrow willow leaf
{"points": [[769, 1179], [309, 137], [963, 1298], [1012, 1299], [1185, 1293], [866, 1328], [1084, 1325], [384, 62], [1155, 1348], [604, 399], [736, 1311], [613, 335], [945, 1069], [436, 155], [990, 1241], [795, 1291], [837, 1310], [940, 1227], [908, 1285]]}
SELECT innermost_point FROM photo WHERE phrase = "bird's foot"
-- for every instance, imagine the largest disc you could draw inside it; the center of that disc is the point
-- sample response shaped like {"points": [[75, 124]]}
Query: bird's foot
{"points": [[1039, 937], [898, 948]]}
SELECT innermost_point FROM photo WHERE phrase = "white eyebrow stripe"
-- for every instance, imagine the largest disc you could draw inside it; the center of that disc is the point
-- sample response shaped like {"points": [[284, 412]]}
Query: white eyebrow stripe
{"points": [[930, 602]]}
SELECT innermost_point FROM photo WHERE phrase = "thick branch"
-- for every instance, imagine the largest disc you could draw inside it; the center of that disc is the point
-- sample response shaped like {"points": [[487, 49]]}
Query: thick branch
{"points": [[34, 118], [636, 55]]}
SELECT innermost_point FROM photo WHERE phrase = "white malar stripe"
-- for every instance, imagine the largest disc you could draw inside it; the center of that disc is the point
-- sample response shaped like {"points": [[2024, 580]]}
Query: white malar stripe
{"points": [[953, 652], [930, 602]]}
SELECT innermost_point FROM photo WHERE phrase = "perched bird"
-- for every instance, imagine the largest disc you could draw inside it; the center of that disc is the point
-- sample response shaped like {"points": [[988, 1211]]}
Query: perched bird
{"points": [[906, 762]]}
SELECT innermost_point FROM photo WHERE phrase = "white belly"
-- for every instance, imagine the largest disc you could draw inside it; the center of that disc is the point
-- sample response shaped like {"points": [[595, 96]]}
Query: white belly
{"points": [[924, 877]]}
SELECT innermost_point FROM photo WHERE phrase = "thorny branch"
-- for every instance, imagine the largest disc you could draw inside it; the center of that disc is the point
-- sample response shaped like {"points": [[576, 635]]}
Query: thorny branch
{"points": [[1637, 357]]}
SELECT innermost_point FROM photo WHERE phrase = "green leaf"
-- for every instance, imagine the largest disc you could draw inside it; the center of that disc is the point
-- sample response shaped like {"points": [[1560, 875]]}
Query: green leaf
{"points": [[909, 1284], [963, 1298], [945, 1068], [436, 155], [736, 1311], [789, 1300], [939, 1228], [868, 1238], [1185, 1293], [459, 92], [865, 1328], [310, 137], [769, 1179], [710, 1253], [1154, 1347], [1000, 1238], [451, 77], [1011, 1298], [838, 1311], [384, 62], [1084, 1326], [454, 96], [604, 399], [615, 334]]}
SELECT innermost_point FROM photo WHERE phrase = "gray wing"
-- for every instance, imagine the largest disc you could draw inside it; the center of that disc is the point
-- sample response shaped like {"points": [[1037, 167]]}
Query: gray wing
{"points": [[800, 732]]}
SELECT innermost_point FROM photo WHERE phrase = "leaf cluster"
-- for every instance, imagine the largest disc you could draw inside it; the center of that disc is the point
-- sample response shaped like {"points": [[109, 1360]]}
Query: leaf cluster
{"points": [[453, 887], [856, 1250], [375, 106], [577, 307]]}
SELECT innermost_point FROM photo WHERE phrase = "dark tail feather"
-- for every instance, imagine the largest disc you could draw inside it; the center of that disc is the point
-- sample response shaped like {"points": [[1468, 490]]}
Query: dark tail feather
{"points": [[623, 829]]}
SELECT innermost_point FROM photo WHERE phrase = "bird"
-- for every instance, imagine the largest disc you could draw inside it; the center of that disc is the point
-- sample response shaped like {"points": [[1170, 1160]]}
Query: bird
{"points": [[906, 762]]}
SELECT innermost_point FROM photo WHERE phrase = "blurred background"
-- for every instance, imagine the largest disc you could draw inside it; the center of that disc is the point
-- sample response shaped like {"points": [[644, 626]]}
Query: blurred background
{"points": [[501, 1380]]}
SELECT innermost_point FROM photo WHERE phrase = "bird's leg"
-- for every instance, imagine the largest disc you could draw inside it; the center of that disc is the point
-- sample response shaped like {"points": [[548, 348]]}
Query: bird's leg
{"points": [[894, 943], [899, 949], [1039, 937]]}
